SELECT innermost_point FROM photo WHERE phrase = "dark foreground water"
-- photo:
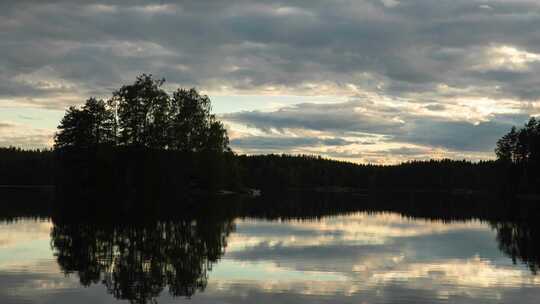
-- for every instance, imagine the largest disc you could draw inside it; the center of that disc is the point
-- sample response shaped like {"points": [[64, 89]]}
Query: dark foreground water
{"points": [[369, 256]]}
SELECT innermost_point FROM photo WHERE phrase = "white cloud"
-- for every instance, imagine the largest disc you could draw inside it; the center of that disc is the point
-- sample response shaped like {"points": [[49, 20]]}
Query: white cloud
{"points": [[507, 57], [390, 3], [24, 136]]}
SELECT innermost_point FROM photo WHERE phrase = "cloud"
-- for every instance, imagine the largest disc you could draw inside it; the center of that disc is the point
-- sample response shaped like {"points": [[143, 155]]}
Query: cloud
{"points": [[268, 143], [24, 136], [393, 126], [468, 61], [6, 125], [435, 107], [460, 136], [319, 117], [256, 44]]}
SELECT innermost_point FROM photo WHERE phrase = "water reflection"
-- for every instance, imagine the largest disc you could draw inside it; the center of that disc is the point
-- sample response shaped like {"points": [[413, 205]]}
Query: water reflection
{"points": [[137, 261], [410, 248], [521, 241], [374, 258]]}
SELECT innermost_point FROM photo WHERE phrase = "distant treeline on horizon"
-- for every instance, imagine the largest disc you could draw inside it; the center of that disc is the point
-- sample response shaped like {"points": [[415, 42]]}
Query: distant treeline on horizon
{"points": [[45, 167], [515, 170]]}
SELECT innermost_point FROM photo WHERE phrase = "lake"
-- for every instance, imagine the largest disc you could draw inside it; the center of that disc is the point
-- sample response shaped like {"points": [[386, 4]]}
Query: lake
{"points": [[331, 252]]}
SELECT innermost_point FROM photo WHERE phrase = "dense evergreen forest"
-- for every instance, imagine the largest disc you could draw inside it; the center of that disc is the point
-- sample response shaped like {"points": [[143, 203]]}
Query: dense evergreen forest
{"points": [[236, 171], [290, 171], [519, 152], [26, 167], [143, 141]]}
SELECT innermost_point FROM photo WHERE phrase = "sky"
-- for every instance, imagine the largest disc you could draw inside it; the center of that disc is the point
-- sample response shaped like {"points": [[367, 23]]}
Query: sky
{"points": [[378, 81]]}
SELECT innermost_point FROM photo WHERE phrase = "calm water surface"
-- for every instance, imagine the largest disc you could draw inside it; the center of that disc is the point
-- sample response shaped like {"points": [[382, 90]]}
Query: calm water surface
{"points": [[361, 257]]}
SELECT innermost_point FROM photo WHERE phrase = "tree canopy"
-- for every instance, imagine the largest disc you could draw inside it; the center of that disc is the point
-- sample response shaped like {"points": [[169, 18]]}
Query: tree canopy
{"points": [[519, 149], [520, 145], [143, 114], [93, 124]]}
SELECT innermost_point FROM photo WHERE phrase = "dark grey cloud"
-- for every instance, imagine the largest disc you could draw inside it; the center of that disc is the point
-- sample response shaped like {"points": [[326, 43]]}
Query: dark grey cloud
{"points": [[435, 107], [460, 136], [5, 125], [268, 143], [335, 117], [411, 46]]}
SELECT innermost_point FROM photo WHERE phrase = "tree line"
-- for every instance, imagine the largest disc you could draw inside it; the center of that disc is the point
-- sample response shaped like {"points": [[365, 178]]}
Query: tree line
{"points": [[520, 145], [26, 167], [162, 170], [519, 151], [313, 172]]}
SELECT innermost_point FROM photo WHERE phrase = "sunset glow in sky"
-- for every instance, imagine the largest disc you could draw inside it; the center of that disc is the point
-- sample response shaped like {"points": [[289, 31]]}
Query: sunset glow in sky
{"points": [[377, 81]]}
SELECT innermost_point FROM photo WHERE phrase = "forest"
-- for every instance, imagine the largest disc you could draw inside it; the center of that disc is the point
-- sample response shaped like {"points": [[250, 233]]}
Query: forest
{"points": [[143, 142]]}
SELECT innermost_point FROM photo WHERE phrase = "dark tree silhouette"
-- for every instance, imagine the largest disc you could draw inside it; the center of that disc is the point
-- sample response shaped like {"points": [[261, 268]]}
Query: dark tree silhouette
{"points": [[91, 125], [72, 130], [520, 146], [193, 127], [102, 122], [175, 141], [519, 149], [216, 139], [506, 146], [142, 114], [26, 167], [142, 109], [310, 172]]}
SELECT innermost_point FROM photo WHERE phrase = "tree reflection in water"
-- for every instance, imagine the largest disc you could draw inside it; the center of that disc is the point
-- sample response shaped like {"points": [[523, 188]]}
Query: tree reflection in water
{"points": [[137, 261], [138, 254], [520, 241]]}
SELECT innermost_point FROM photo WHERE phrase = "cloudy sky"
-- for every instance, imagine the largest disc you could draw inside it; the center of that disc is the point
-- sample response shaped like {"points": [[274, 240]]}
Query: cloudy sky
{"points": [[360, 80]]}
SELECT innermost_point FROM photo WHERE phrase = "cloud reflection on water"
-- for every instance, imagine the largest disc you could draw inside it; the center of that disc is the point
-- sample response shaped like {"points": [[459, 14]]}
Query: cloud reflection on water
{"points": [[362, 257]]}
